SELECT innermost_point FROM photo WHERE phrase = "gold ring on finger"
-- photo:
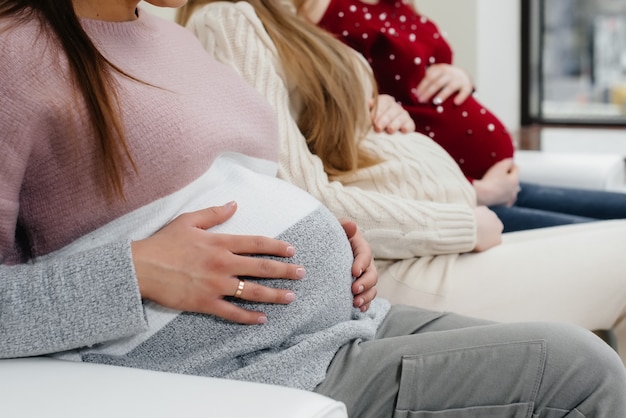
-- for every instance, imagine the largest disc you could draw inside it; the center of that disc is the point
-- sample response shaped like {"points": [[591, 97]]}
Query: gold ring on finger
{"points": [[240, 287]]}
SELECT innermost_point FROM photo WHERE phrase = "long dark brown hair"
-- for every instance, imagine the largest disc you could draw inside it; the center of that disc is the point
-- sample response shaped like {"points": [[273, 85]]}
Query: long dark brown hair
{"points": [[93, 76], [333, 117]]}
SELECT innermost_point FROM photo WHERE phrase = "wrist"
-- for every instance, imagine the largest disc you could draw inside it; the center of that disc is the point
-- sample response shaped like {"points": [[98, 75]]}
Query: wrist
{"points": [[483, 192], [141, 269]]}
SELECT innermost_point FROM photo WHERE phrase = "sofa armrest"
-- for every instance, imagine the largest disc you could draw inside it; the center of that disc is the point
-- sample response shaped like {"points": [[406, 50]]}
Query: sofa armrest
{"points": [[583, 171], [46, 387]]}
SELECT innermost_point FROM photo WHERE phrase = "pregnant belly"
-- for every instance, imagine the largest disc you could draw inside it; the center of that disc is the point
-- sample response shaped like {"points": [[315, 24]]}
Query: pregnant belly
{"points": [[470, 133]]}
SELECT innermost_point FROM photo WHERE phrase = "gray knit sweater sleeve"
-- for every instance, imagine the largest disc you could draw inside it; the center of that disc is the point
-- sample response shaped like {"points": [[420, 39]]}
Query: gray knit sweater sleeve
{"points": [[69, 302]]}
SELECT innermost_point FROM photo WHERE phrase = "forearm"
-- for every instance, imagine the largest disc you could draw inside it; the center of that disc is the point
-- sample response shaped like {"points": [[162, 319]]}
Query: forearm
{"points": [[80, 300]]}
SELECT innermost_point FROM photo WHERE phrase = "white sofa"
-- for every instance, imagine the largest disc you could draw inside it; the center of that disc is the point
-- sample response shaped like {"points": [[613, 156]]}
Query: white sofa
{"points": [[578, 170], [46, 387]]}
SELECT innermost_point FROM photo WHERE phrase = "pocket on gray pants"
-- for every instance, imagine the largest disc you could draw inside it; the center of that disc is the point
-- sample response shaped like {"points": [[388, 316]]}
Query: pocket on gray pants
{"points": [[499, 380], [524, 410]]}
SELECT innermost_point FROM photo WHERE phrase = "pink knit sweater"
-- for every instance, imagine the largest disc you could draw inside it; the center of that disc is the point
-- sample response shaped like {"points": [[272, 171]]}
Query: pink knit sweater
{"points": [[48, 195]]}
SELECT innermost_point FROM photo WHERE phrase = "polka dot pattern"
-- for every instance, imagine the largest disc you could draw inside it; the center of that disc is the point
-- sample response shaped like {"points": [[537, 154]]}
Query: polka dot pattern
{"points": [[401, 45]]}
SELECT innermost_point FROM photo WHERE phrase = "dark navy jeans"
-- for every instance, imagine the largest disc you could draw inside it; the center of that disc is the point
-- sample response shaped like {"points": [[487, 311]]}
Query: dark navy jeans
{"points": [[542, 206]]}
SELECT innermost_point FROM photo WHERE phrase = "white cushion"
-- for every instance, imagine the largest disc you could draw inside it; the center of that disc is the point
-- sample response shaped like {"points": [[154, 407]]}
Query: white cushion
{"points": [[584, 171], [45, 387]]}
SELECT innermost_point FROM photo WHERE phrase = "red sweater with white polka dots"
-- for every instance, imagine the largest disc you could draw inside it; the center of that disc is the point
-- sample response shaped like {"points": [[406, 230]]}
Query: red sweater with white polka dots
{"points": [[399, 45]]}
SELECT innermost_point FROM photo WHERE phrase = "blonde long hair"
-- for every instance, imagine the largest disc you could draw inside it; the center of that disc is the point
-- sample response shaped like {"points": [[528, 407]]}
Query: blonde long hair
{"points": [[333, 116]]}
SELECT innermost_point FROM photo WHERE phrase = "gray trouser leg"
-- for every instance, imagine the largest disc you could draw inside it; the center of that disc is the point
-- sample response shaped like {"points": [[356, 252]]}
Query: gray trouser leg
{"points": [[424, 362]]}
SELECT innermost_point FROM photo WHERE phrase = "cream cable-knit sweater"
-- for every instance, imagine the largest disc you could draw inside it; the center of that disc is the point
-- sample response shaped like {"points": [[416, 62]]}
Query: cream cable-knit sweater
{"points": [[416, 203]]}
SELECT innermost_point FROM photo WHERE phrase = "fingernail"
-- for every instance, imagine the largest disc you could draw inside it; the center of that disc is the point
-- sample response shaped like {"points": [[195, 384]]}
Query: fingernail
{"points": [[291, 250], [230, 204], [262, 320], [290, 297], [360, 289], [300, 272], [359, 302], [437, 101]]}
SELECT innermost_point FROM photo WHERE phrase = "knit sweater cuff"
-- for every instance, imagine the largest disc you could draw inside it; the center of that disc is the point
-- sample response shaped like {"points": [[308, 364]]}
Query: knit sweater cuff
{"points": [[451, 231], [77, 301]]}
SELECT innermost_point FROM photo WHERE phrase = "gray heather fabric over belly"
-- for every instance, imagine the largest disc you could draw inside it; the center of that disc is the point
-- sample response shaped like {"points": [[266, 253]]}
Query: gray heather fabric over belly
{"points": [[299, 340]]}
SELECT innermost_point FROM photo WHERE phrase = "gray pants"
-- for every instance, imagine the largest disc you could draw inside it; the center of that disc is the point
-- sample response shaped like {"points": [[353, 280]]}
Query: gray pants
{"points": [[429, 364]]}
